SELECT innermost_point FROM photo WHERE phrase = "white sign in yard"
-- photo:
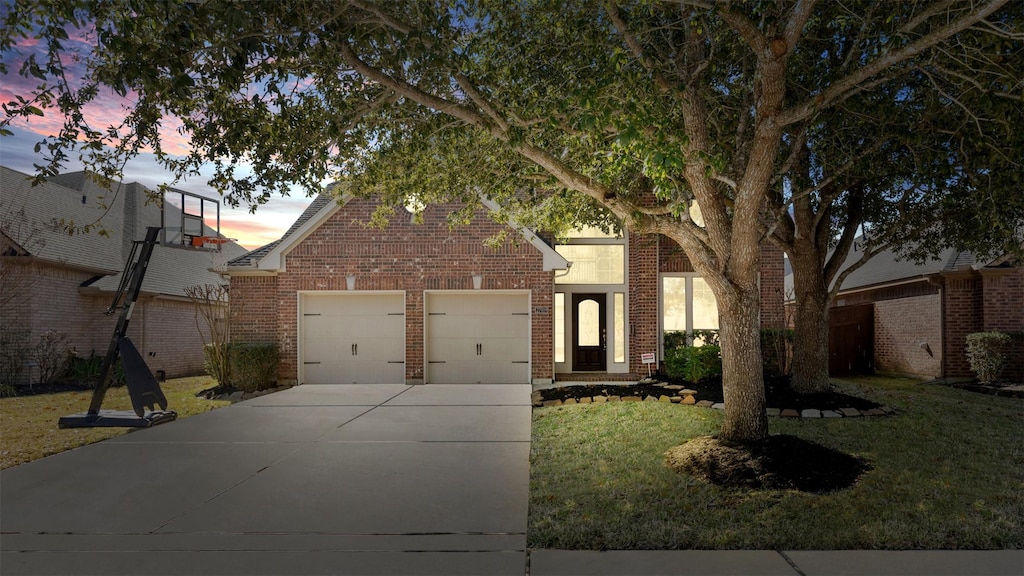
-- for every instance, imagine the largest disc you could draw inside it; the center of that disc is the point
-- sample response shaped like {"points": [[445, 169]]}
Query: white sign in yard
{"points": [[648, 359]]}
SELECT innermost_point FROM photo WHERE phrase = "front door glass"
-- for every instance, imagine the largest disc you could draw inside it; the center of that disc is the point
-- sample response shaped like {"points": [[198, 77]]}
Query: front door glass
{"points": [[589, 333]]}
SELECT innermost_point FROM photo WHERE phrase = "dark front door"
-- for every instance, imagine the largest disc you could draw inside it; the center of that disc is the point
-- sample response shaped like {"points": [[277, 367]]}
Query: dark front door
{"points": [[589, 336]]}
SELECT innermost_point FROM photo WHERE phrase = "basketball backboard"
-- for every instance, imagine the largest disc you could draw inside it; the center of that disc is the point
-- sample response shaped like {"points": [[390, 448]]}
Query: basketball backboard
{"points": [[190, 220]]}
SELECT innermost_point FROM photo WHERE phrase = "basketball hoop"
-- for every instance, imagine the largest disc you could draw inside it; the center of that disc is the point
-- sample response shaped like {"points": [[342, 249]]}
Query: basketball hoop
{"points": [[200, 241]]}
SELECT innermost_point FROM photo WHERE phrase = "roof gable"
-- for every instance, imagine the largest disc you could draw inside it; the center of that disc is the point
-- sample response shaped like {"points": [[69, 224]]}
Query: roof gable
{"points": [[271, 258]]}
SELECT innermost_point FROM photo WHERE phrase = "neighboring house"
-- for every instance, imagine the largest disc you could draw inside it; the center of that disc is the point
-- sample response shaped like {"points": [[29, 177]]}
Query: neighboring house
{"points": [[426, 303], [917, 316], [53, 280]]}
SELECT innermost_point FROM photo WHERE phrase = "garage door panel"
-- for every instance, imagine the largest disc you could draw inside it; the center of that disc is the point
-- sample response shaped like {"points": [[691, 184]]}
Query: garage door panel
{"points": [[353, 373], [323, 350], [327, 327], [352, 338], [473, 338]]}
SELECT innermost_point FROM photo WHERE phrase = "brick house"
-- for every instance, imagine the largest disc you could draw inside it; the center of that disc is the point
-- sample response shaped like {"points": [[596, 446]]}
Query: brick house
{"points": [[56, 281], [425, 303], [920, 314]]}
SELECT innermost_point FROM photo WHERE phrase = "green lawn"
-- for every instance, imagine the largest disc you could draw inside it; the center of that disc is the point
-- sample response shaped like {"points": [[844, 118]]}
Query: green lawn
{"points": [[948, 472], [28, 424]]}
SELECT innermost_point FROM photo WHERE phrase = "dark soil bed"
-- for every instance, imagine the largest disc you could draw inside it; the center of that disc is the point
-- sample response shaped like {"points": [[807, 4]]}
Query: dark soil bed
{"points": [[777, 390], [778, 463]]}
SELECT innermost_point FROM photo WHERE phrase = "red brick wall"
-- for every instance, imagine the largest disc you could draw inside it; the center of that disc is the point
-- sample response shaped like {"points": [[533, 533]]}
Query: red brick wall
{"points": [[643, 298], [1003, 309], [962, 298], [168, 337], [403, 256], [671, 256], [254, 309], [51, 298], [900, 328], [773, 313]]}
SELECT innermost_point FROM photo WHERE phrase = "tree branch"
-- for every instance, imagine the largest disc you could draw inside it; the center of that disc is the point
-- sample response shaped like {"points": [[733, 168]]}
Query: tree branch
{"points": [[480, 101], [839, 89]]}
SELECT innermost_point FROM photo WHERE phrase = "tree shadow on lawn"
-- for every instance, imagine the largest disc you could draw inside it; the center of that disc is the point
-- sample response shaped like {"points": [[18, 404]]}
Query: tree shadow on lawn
{"points": [[780, 462]]}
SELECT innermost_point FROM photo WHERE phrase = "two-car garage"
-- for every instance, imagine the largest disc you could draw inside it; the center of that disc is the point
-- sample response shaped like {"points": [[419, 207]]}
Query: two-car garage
{"points": [[468, 337]]}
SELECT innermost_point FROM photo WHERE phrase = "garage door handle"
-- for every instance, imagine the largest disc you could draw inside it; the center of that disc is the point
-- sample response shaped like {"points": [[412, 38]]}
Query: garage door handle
{"points": [[436, 362], [520, 361], [396, 361], [310, 362], [355, 349], [479, 349]]}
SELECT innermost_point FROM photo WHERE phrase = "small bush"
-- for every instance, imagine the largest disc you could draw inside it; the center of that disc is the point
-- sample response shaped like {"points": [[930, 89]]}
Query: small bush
{"points": [[14, 351], [217, 363], [86, 371], [51, 355], [986, 352], [776, 351], [253, 366], [676, 339], [693, 363], [706, 338]]}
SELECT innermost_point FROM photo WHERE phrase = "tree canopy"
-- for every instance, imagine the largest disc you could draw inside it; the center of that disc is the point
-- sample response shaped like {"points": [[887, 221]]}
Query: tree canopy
{"points": [[567, 113]]}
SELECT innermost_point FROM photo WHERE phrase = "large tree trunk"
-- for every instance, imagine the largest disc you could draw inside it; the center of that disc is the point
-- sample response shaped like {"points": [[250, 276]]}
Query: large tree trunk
{"points": [[810, 336], [742, 379]]}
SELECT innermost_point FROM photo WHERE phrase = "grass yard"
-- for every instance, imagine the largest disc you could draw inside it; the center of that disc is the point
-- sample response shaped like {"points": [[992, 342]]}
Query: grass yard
{"points": [[948, 473], [28, 424]]}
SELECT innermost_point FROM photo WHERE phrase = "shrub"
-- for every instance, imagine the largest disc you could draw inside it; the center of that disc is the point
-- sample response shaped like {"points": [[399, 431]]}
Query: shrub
{"points": [[706, 337], [986, 354], [86, 371], [694, 363], [217, 363], [52, 355], [776, 351], [253, 366], [676, 339], [14, 351]]}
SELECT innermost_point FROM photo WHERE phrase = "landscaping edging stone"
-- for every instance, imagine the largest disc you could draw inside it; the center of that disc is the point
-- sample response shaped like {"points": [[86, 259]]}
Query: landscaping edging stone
{"points": [[239, 396], [686, 397]]}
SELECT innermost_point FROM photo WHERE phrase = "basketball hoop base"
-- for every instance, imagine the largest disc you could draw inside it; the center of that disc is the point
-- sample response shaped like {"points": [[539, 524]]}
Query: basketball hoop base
{"points": [[116, 419]]}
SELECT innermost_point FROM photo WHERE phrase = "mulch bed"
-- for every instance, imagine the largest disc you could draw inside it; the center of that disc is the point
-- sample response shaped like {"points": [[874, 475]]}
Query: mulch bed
{"points": [[778, 394], [780, 462]]}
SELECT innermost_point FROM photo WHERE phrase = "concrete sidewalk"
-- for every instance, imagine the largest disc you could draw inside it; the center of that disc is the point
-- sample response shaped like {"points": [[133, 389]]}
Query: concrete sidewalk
{"points": [[375, 479], [771, 563]]}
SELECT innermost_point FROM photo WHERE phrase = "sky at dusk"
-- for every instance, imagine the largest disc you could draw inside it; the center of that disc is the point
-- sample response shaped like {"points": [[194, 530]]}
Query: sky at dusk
{"points": [[17, 151]]}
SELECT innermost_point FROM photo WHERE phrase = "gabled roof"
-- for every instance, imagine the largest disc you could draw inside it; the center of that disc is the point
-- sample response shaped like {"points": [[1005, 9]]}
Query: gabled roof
{"points": [[884, 268], [29, 215], [270, 258]]}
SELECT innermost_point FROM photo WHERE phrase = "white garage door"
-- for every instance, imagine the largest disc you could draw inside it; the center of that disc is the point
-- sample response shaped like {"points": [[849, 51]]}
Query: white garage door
{"points": [[352, 338], [478, 338]]}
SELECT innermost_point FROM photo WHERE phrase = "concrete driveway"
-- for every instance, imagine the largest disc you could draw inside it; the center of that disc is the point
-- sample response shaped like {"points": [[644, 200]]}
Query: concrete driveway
{"points": [[355, 479]]}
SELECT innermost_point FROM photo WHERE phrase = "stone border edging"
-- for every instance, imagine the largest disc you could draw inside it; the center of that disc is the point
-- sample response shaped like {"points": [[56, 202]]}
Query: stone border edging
{"points": [[686, 397]]}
